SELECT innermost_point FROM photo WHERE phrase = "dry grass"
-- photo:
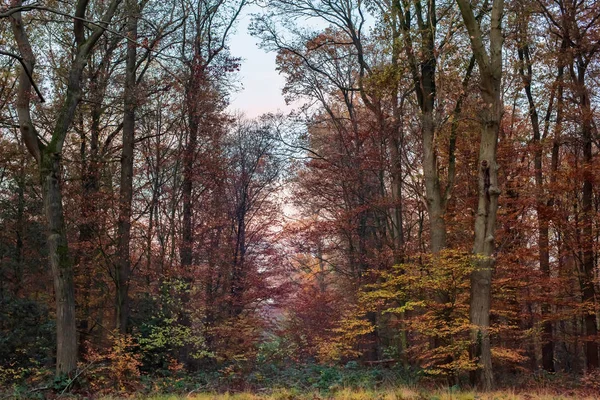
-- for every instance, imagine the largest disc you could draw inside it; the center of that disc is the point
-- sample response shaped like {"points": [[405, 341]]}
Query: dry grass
{"points": [[395, 394]]}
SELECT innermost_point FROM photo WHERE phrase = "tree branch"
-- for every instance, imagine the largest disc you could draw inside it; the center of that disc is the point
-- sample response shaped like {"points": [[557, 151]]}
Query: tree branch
{"points": [[26, 70]]}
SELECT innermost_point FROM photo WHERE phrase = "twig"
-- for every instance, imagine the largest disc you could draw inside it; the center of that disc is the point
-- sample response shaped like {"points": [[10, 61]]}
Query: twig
{"points": [[75, 378], [203, 387], [20, 59]]}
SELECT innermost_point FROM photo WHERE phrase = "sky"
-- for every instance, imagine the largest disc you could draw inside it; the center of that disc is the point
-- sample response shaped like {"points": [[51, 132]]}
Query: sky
{"points": [[260, 83]]}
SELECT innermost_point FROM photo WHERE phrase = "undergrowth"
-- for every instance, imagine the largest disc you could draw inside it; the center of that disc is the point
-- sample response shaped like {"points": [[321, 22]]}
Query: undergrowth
{"points": [[282, 381], [402, 393]]}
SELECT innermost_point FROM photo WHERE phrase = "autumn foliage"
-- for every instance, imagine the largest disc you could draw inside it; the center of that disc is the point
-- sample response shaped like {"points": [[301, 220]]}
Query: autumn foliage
{"points": [[428, 211]]}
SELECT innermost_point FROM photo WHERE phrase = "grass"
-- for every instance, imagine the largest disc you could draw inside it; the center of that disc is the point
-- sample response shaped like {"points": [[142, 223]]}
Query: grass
{"points": [[392, 394]]}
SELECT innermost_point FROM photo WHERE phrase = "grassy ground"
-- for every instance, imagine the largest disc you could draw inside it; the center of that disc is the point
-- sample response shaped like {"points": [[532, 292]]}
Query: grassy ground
{"points": [[397, 394]]}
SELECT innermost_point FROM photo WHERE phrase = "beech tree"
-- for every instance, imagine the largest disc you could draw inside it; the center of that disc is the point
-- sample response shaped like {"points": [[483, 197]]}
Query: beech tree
{"points": [[48, 155], [490, 70]]}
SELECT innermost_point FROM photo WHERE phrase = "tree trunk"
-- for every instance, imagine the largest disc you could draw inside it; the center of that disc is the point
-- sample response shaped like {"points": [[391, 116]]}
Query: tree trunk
{"points": [[435, 208], [481, 277], [587, 235], [238, 267], [126, 188], [490, 69], [397, 220], [60, 262], [194, 93], [88, 227], [395, 147], [187, 235]]}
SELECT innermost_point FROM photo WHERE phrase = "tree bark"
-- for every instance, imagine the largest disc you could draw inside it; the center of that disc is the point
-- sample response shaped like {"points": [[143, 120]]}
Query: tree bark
{"points": [[423, 72], [126, 189], [490, 69], [60, 263], [189, 156]]}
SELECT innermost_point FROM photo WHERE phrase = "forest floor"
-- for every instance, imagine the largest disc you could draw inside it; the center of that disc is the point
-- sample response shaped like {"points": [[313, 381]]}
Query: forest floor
{"points": [[395, 394]]}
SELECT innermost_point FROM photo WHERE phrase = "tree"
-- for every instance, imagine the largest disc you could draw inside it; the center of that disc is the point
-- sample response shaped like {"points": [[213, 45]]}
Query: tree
{"points": [[206, 60], [490, 71], [123, 269], [48, 156]]}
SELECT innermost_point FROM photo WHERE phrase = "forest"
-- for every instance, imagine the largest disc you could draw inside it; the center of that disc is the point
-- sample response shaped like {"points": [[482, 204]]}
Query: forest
{"points": [[426, 216]]}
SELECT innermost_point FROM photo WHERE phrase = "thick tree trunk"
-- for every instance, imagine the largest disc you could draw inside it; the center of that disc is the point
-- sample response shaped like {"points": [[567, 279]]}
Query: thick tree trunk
{"points": [[490, 69], [435, 207], [423, 70], [485, 223], [62, 268], [126, 188], [427, 98]]}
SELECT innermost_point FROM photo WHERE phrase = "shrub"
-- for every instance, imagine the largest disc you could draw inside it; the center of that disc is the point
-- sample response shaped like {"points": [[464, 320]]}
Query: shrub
{"points": [[116, 369], [26, 338]]}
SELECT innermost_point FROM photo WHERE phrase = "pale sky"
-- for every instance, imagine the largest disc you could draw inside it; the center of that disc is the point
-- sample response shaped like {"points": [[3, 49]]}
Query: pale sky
{"points": [[261, 84]]}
